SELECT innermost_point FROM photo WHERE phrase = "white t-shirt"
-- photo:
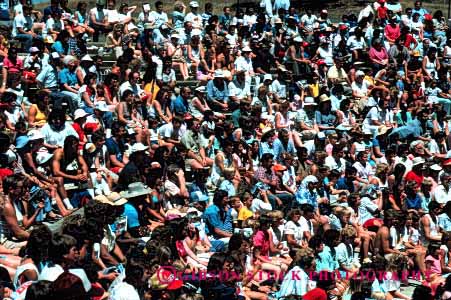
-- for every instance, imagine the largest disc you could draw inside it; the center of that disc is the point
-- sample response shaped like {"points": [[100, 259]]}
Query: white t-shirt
{"points": [[124, 291], [260, 206], [361, 89], [19, 22], [195, 19], [354, 43], [160, 18], [239, 91], [57, 138]]}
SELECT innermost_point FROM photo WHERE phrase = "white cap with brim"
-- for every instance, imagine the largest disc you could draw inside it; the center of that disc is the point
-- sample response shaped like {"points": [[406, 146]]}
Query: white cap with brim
{"points": [[309, 179], [219, 74], [43, 157], [137, 147], [35, 134], [136, 189], [198, 197], [309, 101], [80, 113], [267, 77], [359, 73], [86, 58], [102, 106], [417, 161]]}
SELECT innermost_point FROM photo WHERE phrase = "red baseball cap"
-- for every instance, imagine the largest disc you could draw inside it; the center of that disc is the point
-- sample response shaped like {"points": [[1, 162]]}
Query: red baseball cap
{"points": [[173, 282], [315, 294], [279, 167], [428, 17], [447, 162], [343, 27]]}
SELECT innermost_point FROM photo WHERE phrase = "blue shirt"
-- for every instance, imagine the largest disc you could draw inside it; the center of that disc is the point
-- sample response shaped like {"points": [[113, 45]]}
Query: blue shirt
{"points": [[213, 220], [113, 148], [279, 148], [132, 216], [214, 93], [48, 77], [304, 195], [68, 77], [179, 106], [444, 222], [326, 261]]}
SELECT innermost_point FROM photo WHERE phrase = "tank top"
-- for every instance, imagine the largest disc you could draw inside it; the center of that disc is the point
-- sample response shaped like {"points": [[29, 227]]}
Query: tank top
{"points": [[40, 118], [126, 113], [346, 120], [430, 67], [195, 53], [433, 228], [283, 120], [194, 110], [327, 55]]}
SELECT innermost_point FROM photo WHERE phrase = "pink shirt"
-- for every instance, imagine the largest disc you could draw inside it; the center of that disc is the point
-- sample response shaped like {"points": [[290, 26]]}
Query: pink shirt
{"points": [[13, 68], [262, 240], [392, 33], [378, 55], [436, 267]]}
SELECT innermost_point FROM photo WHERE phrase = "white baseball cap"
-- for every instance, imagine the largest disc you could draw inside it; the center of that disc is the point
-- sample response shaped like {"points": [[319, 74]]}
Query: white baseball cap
{"points": [[80, 113], [35, 134], [43, 157], [139, 147], [359, 73], [194, 4], [102, 106]]}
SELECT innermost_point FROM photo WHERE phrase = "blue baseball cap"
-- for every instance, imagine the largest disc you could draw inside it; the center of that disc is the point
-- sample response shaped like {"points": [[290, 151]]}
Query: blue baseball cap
{"points": [[198, 197]]}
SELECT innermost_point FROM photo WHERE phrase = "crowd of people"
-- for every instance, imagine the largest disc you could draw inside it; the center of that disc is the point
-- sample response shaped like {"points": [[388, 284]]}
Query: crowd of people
{"points": [[295, 152]]}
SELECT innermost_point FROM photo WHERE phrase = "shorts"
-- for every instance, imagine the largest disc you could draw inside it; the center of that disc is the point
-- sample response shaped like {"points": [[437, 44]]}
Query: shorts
{"points": [[375, 222]]}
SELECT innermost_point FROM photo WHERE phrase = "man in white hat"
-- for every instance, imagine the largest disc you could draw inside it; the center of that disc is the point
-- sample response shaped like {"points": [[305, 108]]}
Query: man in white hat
{"points": [[360, 86], [239, 89], [69, 82], [132, 172], [244, 62], [194, 16], [218, 92], [101, 118]]}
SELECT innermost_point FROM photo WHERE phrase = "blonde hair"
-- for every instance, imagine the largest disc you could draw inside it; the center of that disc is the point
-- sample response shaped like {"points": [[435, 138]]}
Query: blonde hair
{"points": [[381, 167], [178, 6], [348, 231], [275, 214]]}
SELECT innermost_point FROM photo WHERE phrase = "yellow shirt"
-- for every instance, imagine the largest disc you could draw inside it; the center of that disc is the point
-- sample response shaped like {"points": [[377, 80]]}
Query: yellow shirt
{"points": [[244, 214], [315, 89], [153, 88]]}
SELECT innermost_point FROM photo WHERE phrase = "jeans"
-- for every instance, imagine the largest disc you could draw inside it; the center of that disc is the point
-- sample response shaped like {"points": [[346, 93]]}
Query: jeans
{"points": [[286, 198], [74, 101], [217, 246], [26, 39]]}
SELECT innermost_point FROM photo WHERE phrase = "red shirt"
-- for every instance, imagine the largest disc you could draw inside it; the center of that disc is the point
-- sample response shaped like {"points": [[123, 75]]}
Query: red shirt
{"points": [[392, 33], [409, 40], [412, 176], [80, 132], [382, 12], [11, 67]]}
